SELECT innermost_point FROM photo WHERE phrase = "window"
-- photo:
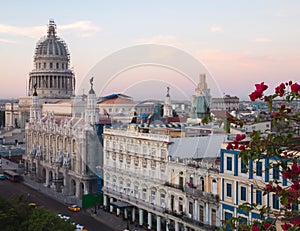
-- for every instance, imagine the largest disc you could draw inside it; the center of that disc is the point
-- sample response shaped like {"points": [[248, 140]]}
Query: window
{"points": [[243, 193], [228, 190], [153, 197], [258, 197], [191, 208], [275, 202], [202, 184], [259, 168], [201, 214], [243, 167], [276, 172], [162, 200], [144, 194], [213, 217], [227, 217], [229, 163], [57, 65], [51, 65]]}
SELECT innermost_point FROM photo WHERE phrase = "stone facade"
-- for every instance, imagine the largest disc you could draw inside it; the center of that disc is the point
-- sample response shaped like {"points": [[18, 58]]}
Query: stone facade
{"points": [[144, 182]]}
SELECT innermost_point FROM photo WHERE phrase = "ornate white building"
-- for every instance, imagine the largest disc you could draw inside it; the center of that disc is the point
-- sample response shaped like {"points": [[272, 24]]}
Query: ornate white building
{"points": [[62, 152], [161, 181]]}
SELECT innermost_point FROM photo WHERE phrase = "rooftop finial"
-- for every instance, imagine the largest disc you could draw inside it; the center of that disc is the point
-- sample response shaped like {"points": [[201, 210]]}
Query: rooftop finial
{"points": [[51, 28], [168, 91], [91, 82]]}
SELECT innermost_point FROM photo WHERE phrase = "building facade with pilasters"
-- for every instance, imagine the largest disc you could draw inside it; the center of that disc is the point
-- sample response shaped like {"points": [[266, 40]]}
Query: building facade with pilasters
{"points": [[62, 152], [147, 182], [246, 184]]}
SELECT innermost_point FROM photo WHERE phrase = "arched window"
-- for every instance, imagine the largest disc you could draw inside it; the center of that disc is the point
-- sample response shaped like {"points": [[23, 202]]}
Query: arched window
{"points": [[214, 187], [202, 184]]}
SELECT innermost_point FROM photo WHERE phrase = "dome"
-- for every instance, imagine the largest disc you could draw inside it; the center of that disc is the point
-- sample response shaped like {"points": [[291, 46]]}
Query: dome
{"points": [[51, 76], [51, 46]]}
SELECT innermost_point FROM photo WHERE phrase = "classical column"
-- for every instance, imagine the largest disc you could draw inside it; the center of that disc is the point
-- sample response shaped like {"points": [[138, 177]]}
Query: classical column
{"points": [[105, 200], [111, 208], [158, 223], [47, 177], [149, 220], [118, 211], [176, 226], [206, 214], [141, 217], [77, 189], [125, 213], [133, 214], [196, 210]]}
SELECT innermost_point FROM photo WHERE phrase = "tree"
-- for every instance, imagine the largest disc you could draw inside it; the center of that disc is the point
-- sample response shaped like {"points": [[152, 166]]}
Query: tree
{"points": [[15, 215], [282, 145]]}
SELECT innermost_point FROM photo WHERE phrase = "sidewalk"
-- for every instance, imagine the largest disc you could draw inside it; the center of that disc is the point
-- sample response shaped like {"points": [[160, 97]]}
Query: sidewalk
{"points": [[114, 222]]}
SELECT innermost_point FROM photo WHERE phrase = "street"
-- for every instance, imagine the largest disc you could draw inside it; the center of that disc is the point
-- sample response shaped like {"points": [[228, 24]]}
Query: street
{"points": [[8, 189]]}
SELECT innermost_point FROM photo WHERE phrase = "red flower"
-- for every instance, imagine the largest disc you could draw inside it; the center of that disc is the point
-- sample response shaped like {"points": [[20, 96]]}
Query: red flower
{"points": [[269, 187], [240, 137], [254, 95], [242, 147], [296, 222], [280, 89], [255, 228], [267, 225], [229, 146], [275, 115], [295, 88], [258, 93], [261, 87], [286, 226], [236, 144], [286, 175]]}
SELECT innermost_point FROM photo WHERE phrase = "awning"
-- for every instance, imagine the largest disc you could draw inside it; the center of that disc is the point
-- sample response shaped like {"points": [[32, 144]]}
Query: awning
{"points": [[120, 204]]}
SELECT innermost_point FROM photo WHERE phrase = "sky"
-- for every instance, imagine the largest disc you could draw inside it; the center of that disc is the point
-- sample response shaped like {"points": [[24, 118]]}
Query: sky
{"points": [[239, 43]]}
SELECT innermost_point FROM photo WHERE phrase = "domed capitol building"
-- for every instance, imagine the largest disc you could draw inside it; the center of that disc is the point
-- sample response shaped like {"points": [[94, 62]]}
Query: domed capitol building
{"points": [[52, 75]]}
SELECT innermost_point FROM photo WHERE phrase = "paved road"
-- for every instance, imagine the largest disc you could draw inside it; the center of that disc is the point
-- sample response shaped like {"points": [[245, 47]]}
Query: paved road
{"points": [[8, 188]]}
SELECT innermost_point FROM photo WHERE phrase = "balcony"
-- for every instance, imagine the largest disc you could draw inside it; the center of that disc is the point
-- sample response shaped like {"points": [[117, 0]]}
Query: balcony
{"points": [[207, 196], [176, 186], [187, 218]]}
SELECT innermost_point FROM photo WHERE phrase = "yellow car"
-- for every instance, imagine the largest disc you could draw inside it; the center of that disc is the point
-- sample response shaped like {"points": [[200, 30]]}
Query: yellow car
{"points": [[74, 208], [32, 205]]}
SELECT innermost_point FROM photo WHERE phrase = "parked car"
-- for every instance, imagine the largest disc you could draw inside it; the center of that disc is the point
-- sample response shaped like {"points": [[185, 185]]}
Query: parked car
{"points": [[74, 208], [32, 205]]}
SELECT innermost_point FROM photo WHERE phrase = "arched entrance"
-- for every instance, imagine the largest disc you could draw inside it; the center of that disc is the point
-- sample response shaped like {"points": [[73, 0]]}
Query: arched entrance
{"points": [[81, 188], [73, 187], [44, 175]]}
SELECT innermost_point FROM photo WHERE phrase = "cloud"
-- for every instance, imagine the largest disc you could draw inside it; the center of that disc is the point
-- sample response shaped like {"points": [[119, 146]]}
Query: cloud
{"points": [[81, 28], [263, 40], [7, 41], [85, 28], [244, 59], [215, 29], [158, 39]]}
